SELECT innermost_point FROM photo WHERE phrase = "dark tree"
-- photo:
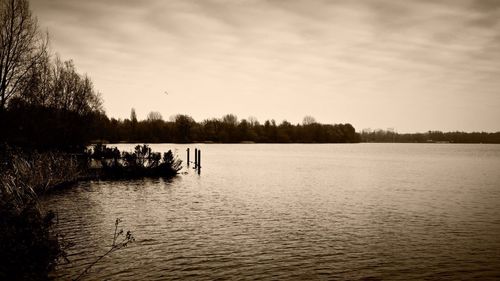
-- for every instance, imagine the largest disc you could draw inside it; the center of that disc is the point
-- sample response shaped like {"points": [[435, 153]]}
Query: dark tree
{"points": [[22, 46]]}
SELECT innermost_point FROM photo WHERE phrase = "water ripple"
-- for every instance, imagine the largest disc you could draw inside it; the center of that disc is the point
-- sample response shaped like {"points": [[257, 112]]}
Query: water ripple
{"points": [[330, 212]]}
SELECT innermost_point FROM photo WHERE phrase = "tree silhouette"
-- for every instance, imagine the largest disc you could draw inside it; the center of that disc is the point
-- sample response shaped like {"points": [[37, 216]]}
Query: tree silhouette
{"points": [[133, 116], [22, 46], [308, 120], [154, 116]]}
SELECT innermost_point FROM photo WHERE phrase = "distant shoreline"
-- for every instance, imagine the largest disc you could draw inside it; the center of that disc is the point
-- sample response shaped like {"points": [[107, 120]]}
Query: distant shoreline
{"points": [[250, 142]]}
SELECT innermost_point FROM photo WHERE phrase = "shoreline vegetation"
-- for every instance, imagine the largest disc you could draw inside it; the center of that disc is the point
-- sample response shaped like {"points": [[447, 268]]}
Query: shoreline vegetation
{"points": [[32, 247], [35, 247], [111, 164]]}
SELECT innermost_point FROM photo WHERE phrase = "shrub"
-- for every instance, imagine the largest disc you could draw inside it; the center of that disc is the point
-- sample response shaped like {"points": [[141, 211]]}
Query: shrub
{"points": [[142, 162]]}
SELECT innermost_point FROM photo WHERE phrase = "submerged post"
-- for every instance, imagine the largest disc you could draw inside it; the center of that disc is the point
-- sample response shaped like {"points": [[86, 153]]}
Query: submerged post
{"points": [[199, 161], [195, 157], [187, 150]]}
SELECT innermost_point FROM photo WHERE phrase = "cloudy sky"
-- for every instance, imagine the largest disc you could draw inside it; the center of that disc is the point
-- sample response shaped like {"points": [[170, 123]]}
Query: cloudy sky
{"points": [[410, 65]]}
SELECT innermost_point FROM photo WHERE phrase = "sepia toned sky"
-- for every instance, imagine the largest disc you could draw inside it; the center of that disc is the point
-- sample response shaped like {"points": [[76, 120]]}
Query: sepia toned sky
{"points": [[410, 65]]}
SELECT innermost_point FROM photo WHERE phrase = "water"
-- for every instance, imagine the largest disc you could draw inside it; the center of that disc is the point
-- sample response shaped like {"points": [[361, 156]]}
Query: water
{"points": [[297, 211]]}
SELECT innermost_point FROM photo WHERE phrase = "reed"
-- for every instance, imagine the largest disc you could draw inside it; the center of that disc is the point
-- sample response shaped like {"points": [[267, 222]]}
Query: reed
{"points": [[31, 247]]}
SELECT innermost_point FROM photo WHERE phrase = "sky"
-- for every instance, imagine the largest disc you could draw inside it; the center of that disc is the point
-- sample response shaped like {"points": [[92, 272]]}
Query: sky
{"points": [[413, 66]]}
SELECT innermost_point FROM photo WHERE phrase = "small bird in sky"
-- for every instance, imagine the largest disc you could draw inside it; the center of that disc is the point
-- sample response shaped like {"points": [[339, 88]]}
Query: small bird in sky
{"points": [[165, 92]]}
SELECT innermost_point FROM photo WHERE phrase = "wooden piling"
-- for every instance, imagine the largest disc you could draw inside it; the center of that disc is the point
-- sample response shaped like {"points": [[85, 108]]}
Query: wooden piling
{"points": [[199, 161], [187, 150], [196, 157]]}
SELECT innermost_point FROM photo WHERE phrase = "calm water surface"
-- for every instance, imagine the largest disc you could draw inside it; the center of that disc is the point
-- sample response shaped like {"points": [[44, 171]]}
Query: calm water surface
{"points": [[296, 211]]}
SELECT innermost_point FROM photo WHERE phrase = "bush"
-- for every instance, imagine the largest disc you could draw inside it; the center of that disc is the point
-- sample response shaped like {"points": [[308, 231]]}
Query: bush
{"points": [[29, 248], [143, 162]]}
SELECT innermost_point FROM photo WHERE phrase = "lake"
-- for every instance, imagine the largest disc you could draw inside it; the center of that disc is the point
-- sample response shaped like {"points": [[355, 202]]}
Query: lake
{"points": [[295, 211]]}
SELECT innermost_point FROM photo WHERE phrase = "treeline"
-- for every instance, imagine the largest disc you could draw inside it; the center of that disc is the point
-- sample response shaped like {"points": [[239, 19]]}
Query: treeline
{"points": [[59, 112], [44, 101], [429, 137], [228, 129]]}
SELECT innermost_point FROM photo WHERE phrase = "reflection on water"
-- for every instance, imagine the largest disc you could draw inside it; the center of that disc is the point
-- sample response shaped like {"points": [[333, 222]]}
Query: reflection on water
{"points": [[365, 211]]}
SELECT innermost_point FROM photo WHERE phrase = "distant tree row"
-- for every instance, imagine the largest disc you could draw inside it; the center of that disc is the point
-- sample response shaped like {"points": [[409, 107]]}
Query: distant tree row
{"points": [[430, 137], [45, 102], [228, 129]]}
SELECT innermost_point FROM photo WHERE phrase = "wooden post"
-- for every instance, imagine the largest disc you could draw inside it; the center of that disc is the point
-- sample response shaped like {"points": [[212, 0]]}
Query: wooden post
{"points": [[187, 156], [195, 157], [199, 161]]}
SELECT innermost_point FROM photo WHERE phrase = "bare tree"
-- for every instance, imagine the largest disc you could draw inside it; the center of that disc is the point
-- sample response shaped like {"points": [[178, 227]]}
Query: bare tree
{"points": [[253, 121], [70, 91], [35, 87], [308, 120], [230, 119], [21, 46], [154, 116]]}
